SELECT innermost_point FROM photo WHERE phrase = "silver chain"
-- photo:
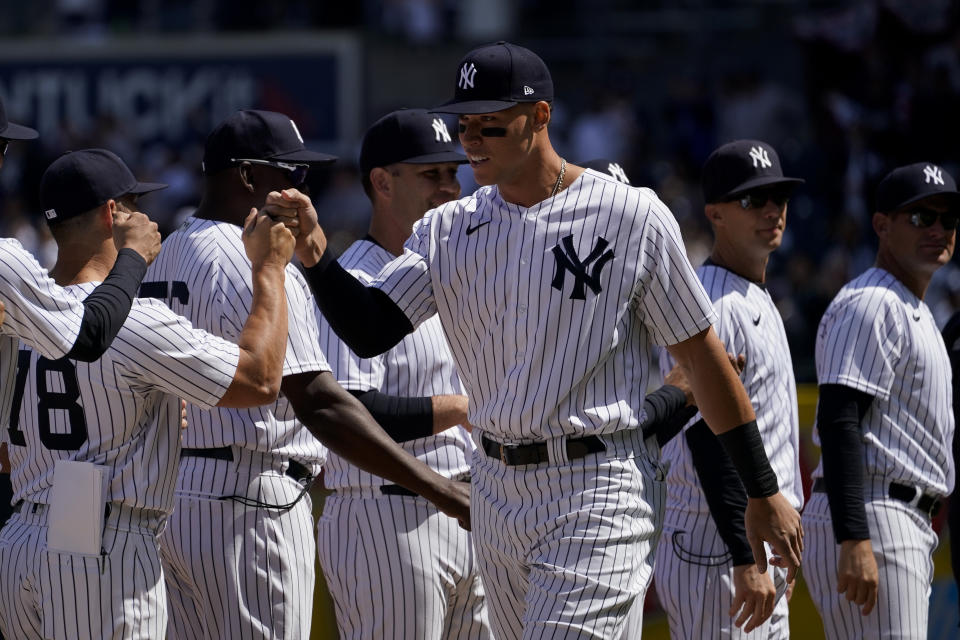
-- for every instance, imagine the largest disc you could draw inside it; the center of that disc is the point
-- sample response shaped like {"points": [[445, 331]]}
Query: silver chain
{"points": [[563, 169]]}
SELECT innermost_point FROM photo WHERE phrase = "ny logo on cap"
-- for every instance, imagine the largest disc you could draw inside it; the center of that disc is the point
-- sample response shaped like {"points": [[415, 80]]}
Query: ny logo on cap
{"points": [[296, 131], [467, 73], [617, 172], [760, 157], [931, 172], [440, 130]]}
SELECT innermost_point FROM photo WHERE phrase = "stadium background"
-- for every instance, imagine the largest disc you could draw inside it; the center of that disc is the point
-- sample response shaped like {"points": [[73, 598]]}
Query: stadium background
{"points": [[843, 90]]}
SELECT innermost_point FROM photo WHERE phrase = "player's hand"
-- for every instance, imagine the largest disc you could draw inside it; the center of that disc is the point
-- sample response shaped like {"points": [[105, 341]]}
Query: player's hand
{"points": [[677, 377], [857, 575], [296, 211], [790, 588], [3, 312], [138, 232], [737, 362], [453, 499], [266, 240], [184, 423], [754, 596], [773, 520]]}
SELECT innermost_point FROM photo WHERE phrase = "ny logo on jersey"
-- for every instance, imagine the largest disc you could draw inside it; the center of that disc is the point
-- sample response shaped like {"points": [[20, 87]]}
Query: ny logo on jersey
{"points": [[931, 172], [467, 73], [568, 260], [440, 130], [760, 157], [617, 172]]}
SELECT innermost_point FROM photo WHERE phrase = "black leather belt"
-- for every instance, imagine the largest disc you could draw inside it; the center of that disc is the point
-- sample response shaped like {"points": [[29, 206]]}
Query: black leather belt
{"points": [[397, 490], [536, 453], [928, 503], [294, 470]]}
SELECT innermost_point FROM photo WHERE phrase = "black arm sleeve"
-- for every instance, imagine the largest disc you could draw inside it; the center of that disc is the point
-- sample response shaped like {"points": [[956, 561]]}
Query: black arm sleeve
{"points": [[402, 418], [666, 413], [951, 333], [107, 306], [839, 412], [363, 317], [721, 485]]}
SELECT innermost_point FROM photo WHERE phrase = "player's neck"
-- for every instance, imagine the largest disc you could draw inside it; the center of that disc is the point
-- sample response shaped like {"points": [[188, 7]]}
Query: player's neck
{"points": [[78, 264], [751, 267], [914, 280], [221, 204], [387, 233], [535, 180]]}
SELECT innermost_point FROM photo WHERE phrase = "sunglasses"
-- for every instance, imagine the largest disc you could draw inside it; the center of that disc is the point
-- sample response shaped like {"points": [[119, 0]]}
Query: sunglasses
{"points": [[759, 199], [296, 173], [923, 218]]}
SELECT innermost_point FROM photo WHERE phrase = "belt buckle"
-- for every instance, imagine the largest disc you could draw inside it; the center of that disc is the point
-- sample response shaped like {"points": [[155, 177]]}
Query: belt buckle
{"points": [[503, 453]]}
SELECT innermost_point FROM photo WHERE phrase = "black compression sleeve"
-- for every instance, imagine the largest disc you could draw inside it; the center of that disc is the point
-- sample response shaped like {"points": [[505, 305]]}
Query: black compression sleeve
{"points": [[745, 448], [666, 413], [721, 485], [107, 306], [402, 418], [364, 317], [839, 412]]}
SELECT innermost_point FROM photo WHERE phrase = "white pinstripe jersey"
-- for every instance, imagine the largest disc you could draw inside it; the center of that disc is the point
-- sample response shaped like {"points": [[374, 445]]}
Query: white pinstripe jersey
{"points": [[419, 366], [203, 272], [749, 324], [879, 338], [551, 310], [37, 311], [122, 411]]}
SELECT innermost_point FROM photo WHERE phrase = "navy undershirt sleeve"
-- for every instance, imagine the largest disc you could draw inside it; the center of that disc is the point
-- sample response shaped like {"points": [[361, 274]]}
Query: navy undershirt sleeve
{"points": [[839, 412], [107, 306], [363, 317], [403, 418]]}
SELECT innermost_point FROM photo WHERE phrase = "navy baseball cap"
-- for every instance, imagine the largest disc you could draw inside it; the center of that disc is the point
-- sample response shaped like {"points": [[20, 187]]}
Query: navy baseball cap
{"points": [[79, 181], [414, 136], [608, 167], [498, 76], [257, 135], [12, 131], [905, 185], [742, 165]]}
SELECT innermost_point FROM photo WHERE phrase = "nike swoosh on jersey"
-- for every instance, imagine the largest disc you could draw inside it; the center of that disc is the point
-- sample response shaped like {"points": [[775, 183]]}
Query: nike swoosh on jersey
{"points": [[756, 321], [474, 228]]}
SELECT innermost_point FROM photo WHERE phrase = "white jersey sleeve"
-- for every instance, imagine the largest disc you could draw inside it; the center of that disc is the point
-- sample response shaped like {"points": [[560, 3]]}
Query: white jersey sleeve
{"points": [[38, 311], [407, 279], [671, 301], [859, 343]]}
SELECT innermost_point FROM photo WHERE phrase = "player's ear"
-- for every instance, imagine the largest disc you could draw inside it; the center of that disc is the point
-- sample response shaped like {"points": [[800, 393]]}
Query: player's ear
{"points": [[246, 176], [713, 213], [541, 115], [381, 181], [881, 224]]}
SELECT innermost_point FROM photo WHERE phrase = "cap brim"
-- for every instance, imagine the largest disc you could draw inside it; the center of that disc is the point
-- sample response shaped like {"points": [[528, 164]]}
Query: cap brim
{"points": [[949, 195], [474, 106], [442, 156], [146, 187], [304, 155], [764, 181], [18, 132]]}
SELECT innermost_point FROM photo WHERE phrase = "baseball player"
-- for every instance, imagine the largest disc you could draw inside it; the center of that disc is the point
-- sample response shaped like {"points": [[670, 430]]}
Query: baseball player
{"points": [[396, 566], [239, 550], [551, 284], [711, 588], [884, 421], [121, 414]]}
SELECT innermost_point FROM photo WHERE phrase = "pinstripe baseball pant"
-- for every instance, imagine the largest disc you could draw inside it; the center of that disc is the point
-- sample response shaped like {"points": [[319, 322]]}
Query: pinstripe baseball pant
{"points": [[694, 581], [49, 594], [397, 568], [566, 547], [903, 545], [237, 571]]}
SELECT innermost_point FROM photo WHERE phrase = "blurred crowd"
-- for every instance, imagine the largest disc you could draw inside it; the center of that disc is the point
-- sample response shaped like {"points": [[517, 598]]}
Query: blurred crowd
{"points": [[877, 85]]}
